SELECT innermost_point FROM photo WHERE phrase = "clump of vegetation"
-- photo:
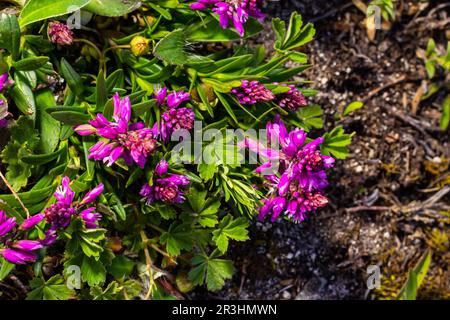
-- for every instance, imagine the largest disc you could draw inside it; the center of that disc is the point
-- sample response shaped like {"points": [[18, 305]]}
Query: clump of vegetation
{"points": [[121, 175]]}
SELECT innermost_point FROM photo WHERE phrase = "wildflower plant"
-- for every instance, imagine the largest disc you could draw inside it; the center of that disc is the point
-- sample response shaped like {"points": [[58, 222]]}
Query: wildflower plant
{"points": [[128, 128]]}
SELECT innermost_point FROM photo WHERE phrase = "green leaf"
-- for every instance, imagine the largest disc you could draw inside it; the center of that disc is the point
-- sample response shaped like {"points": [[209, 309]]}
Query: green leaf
{"points": [[121, 267], [163, 12], [215, 271], [37, 10], [24, 139], [39, 159], [207, 171], [208, 217], [230, 228], [177, 238], [72, 118], [53, 289], [72, 77], [10, 34], [336, 143], [310, 117], [92, 271], [197, 199], [295, 36], [5, 268], [23, 96], [211, 31], [101, 91], [112, 8], [48, 126], [28, 198], [415, 278], [355, 105], [31, 63], [87, 239], [171, 48], [445, 118]]}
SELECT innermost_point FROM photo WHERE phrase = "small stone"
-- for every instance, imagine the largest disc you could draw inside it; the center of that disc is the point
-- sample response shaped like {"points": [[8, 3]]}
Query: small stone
{"points": [[286, 295]]}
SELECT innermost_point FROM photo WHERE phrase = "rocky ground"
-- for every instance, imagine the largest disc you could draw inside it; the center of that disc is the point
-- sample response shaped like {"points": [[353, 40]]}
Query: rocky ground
{"points": [[390, 198]]}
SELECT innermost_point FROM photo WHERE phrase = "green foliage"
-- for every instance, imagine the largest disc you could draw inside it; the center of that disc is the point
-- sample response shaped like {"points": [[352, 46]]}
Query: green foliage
{"points": [[177, 238], [24, 139], [38, 10], [54, 288], [112, 8], [355, 105], [415, 278], [230, 228], [212, 270], [10, 34], [295, 35], [386, 7], [336, 143], [58, 87], [435, 62]]}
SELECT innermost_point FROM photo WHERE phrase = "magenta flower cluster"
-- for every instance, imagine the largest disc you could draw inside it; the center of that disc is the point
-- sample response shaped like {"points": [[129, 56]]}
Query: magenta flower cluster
{"points": [[296, 174], [173, 118], [236, 12], [60, 33], [16, 251], [58, 216], [167, 188], [253, 92], [133, 142]]}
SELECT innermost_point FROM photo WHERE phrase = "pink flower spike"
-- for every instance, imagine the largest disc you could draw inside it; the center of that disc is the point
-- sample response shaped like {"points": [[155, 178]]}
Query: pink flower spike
{"points": [[27, 245], [85, 130], [93, 194], [18, 256], [29, 223]]}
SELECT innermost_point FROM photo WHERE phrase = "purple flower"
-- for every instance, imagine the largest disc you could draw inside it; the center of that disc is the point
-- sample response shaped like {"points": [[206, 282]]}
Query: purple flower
{"points": [[5, 82], [174, 119], [235, 11], [60, 33], [27, 245], [162, 167], [93, 194], [90, 218], [50, 238], [32, 221], [6, 224], [166, 188], [160, 96], [60, 214], [292, 99], [296, 174], [174, 99], [203, 4], [18, 256], [16, 251], [133, 142], [252, 92]]}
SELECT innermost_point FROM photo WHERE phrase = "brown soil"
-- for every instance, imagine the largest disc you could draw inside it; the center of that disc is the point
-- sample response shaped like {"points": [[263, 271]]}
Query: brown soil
{"points": [[385, 196]]}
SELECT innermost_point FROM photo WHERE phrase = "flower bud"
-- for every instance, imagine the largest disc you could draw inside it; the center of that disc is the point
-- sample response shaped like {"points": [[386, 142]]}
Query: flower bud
{"points": [[27, 245], [162, 167], [140, 46], [93, 194], [18, 256], [32, 221]]}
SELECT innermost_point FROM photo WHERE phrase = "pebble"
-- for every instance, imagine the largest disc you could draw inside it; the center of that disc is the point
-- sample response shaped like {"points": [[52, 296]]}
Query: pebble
{"points": [[286, 295]]}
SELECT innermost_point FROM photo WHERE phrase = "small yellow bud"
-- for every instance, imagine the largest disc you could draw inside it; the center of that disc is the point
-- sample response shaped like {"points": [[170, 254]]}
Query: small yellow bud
{"points": [[140, 46]]}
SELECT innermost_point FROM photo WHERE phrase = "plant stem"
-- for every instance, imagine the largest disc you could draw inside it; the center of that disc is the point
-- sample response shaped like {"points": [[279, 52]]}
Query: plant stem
{"points": [[15, 194]]}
